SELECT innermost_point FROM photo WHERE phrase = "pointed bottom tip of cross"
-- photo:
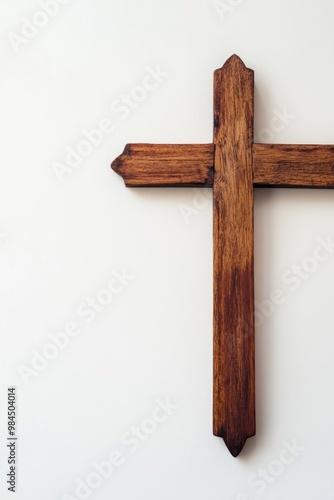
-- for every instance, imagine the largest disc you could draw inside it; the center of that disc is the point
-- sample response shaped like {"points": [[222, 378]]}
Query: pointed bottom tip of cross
{"points": [[233, 444], [235, 448]]}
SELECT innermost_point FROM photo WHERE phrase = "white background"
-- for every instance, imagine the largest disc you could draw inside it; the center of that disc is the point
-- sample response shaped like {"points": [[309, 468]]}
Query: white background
{"points": [[61, 240]]}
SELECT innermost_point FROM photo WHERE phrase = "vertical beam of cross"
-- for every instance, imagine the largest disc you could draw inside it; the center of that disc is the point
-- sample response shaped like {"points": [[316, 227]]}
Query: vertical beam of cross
{"points": [[232, 165], [228, 166], [233, 256]]}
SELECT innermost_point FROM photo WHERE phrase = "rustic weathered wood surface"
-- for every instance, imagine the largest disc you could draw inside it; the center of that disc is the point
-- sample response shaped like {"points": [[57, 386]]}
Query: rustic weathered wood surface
{"points": [[232, 165], [284, 165], [184, 165], [166, 165], [233, 256]]}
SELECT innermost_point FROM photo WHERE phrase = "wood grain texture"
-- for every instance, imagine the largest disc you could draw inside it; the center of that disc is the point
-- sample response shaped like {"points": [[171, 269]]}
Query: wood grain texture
{"points": [[184, 165], [296, 166], [234, 367], [166, 165]]}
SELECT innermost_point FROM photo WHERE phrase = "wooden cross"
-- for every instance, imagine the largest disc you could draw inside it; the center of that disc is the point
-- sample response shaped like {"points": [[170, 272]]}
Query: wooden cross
{"points": [[233, 165]]}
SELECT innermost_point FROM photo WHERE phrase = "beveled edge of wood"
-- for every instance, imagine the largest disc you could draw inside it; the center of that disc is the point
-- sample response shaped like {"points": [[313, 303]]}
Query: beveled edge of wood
{"points": [[234, 59], [235, 446]]}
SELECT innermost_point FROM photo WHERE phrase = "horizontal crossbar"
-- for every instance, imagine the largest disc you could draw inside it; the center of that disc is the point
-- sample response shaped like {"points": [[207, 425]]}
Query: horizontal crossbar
{"points": [[283, 165], [166, 165], [184, 165]]}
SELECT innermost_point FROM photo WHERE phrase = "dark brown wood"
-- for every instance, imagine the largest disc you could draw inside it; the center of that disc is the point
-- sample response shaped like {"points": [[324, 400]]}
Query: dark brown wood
{"points": [[295, 166], [166, 165], [233, 165], [233, 298]]}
